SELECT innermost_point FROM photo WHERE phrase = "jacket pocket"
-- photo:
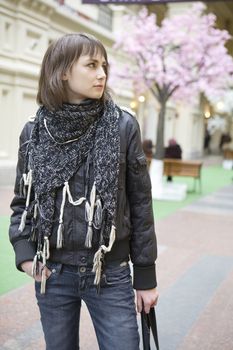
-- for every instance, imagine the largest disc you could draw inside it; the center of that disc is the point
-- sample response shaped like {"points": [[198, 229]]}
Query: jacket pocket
{"points": [[139, 179]]}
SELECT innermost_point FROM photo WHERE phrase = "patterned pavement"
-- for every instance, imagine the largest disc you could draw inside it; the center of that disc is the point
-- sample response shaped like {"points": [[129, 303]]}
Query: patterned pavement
{"points": [[195, 273]]}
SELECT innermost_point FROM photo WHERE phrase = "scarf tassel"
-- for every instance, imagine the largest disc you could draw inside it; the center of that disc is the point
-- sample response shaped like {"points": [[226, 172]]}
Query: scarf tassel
{"points": [[33, 235], [45, 256], [99, 255], [70, 198], [98, 214], [22, 187], [23, 220], [89, 235], [61, 226], [60, 231], [35, 266], [89, 216], [97, 265], [60, 235], [33, 231], [28, 182]]}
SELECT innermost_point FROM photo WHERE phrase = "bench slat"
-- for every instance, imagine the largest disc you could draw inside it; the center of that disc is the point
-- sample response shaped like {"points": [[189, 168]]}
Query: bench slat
{"points": [[179, 167]]}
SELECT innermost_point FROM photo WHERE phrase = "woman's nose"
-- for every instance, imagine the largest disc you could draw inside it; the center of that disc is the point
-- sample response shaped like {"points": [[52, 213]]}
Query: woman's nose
{"points": [[101, 73]]}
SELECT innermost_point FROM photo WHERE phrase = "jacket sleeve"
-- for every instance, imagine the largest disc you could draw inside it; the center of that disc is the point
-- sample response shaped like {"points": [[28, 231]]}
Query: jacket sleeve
{"points": [[143, 239], [24, 249]]}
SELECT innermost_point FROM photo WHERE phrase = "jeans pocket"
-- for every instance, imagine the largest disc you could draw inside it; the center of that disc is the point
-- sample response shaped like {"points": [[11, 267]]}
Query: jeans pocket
{"points": [[117, 276], [52, 274], [54, 268]]}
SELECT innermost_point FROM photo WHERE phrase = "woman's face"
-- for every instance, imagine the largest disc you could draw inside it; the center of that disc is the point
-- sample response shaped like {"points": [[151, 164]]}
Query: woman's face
{"points": [[86, 78]]}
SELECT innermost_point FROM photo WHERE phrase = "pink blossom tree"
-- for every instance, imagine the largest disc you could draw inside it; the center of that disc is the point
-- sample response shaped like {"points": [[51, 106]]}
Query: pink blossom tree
{"points": [[184, 56]]}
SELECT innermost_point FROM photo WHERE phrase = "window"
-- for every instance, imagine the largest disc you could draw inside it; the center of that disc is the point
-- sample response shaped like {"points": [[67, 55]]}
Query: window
{"points": [[105, 16]]}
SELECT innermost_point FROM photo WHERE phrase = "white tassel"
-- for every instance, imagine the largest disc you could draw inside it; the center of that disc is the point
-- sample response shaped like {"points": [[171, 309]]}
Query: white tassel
{"points": [[24, 183], [43, 282], [70, 198], [97, 262], [60, 227], [33, 234], [89, 215], [45, 256], [98, 214], [97, 266], [27, 181], [46, 247], [35, 211], [60, 235], [26, 178], [34, 264], [22, 187], [66, 190], [23, 220], [89, 235]]}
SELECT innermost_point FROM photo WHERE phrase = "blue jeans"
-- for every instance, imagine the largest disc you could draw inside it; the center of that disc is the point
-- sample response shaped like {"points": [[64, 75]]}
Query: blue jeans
{"points": [[112, 309]]}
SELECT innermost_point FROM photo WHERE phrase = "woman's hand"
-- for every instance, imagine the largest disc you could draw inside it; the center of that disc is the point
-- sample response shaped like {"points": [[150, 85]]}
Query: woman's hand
{"points": [[27, 267], [146, 299]]}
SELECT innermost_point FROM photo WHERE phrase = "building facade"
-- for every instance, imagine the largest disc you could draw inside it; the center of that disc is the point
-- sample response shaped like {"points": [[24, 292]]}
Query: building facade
{"points": [[27, 27]]}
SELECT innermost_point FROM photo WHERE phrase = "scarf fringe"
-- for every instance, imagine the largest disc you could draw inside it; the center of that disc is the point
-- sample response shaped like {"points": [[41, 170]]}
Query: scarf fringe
{"points": [[61, 226], [70, 198], [23, 220], [33, 232], [60, 231], [35, 269], [22, 187], [99, 255], [98, 214], [27, 182], [45, 256], [89, 216]]}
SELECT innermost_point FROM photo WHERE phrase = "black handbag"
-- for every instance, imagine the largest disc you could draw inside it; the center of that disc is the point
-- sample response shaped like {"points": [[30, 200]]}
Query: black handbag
{"points": [[149, 325]]}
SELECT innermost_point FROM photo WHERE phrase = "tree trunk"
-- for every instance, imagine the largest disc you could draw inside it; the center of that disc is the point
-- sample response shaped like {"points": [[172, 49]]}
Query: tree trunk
{"points": [[159, 149]]}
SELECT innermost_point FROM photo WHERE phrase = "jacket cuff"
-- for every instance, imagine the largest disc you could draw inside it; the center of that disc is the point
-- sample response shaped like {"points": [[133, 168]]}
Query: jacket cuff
{"points": [[24, 251], [144, 277]]}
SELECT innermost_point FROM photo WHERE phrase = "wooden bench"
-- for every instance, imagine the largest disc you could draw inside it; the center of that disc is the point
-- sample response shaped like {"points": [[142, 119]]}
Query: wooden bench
{"points": [[228, 154], [179, 167]]}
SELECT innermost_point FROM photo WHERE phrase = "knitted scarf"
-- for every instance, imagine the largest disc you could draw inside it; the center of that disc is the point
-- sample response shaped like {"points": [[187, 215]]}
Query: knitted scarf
{"points": [[60, 142]]}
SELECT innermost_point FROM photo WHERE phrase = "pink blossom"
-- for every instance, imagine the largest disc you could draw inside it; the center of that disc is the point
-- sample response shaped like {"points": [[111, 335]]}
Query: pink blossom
{"points": [[186, 55]]}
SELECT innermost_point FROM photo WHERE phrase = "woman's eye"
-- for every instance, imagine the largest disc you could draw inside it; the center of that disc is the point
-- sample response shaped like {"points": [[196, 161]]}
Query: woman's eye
{"points": [[91, 65]]}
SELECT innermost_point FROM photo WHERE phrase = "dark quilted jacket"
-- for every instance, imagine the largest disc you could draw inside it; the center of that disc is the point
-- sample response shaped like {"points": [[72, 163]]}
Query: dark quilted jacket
{"points": [[135, 235]]}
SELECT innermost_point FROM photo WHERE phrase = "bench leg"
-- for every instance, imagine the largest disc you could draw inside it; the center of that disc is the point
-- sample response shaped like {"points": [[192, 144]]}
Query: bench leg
{"points": [[194, 185], [200, 185]]}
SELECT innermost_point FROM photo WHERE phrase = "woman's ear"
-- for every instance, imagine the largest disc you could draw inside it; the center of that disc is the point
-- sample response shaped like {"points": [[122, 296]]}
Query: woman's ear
{"points": [[65, 76]]}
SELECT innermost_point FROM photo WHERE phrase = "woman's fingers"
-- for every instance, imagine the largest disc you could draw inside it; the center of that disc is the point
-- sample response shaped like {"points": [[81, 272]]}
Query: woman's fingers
{"points": [[27, 267], [146, 299]]}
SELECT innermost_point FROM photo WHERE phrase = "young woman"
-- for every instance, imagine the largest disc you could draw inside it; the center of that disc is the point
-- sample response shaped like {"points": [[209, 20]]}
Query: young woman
{"points": [[82, 204]]}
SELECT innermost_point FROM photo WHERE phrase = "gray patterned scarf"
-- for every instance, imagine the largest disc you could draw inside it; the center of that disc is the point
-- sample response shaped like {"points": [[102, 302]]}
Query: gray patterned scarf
{"points": [[60, 142]]}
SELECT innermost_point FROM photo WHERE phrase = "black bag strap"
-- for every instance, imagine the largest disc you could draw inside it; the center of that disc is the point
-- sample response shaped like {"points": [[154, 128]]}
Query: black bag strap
{"points": [[153, 326], [149, 323], [145, 331]]}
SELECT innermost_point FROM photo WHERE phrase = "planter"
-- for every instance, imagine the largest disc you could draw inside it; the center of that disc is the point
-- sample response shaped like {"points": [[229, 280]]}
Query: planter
{"points": [[161, 190]]}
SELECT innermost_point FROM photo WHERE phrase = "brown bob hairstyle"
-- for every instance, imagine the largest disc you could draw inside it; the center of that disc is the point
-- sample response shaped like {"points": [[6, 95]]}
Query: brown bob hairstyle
{"points": [[58, 59]]}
